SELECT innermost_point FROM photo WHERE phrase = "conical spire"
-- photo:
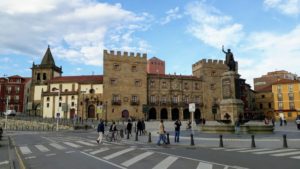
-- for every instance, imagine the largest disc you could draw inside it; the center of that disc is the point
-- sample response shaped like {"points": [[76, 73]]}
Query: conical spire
{"points": [[48, 58]]}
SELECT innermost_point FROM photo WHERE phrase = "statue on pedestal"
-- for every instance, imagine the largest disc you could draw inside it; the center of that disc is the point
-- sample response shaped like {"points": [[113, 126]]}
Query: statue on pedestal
{"points": [[229, 59]]}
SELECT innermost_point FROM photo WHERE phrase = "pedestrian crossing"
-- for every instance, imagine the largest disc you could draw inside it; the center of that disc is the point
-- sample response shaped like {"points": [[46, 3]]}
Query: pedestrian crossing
{"points": [[289, 153], [126, 157]]}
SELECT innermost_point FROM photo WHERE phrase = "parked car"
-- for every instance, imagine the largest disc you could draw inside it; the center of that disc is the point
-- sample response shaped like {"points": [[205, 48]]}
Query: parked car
{"points": [[298, 122], [10, 113]]}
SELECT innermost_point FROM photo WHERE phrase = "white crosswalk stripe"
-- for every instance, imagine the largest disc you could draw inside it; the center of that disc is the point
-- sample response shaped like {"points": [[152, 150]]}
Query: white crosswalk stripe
{"points": [[218, 148], [296, 157], [25, 150], [254, 150], [86, 143], [99, 151], [275, 151], [202, 165], [136, 159], [118, 153], [57, 146], [237, 149], [286, 154], [72, 144], [42, 148], [165, 163], [4, 162]]}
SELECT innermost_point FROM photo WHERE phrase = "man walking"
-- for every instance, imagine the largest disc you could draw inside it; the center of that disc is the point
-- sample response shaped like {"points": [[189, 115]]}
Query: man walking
{"points": [[100, 130], [129, 127], [161, 133], [177, 130]]}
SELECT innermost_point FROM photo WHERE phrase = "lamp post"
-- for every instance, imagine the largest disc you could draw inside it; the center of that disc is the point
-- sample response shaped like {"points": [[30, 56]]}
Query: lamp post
{"points": [[6, 113], [57, 114]]}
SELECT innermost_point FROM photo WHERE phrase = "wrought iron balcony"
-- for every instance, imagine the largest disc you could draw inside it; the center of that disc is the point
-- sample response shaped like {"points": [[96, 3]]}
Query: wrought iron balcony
{"points": [[116, 102], [134, 102]]}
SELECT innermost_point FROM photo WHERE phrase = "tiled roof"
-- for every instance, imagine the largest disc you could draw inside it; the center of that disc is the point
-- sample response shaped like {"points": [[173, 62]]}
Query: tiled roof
{"points": [[15, 76], [286, 81], [265, 89], [155, 58], [78, 79]]}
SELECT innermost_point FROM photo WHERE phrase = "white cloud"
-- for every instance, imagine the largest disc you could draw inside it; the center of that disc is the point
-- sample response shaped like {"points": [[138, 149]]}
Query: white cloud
{"points": [[212, 27], [77, 30], [172, 14], [287, 7]]}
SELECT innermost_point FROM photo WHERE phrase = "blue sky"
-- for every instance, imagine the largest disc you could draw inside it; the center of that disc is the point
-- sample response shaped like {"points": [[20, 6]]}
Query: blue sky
{"points": [[264, 35]]}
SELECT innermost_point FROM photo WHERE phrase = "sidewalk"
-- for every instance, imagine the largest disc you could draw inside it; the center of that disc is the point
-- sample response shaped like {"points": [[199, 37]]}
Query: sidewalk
{"points": [[4, 155]]}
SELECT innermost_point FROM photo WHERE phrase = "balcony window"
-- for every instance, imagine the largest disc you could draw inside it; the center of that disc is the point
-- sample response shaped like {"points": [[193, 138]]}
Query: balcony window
{"points": [[164, 99], [152, 83], [17, 90], [292, 105], [175, 99], [279, 96], [290, 88], [186, 86], [280, 105], [186, 99], [279, 89], [152, 99], [164, 85], [197, 99], [8, 89], [134, 98], [291, 96]]}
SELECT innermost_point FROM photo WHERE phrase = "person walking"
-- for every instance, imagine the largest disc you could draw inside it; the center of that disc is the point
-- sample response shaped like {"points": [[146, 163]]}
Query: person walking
{"points": [[139, 127], [100, 130], [177, 130], [113, 130], [161, 133], [143, 127], [129, 127]]}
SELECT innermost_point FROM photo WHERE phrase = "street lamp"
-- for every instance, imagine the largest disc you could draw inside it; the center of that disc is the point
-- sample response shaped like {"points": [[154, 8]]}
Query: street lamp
{"points": [[57, 114], [6, 113]]}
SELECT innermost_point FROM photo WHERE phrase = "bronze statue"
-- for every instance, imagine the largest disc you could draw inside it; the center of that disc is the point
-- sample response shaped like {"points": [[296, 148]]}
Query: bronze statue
{"points": [[229, 59]]}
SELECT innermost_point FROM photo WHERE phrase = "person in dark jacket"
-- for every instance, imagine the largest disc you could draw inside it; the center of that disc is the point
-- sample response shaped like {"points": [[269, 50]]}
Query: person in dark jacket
{"points": [[139, 127], [129, 127], [100, 130], [177, 130]]}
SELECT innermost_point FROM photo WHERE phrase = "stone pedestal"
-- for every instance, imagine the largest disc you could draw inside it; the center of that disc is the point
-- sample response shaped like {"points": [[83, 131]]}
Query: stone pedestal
{"points": [[230, 103]]}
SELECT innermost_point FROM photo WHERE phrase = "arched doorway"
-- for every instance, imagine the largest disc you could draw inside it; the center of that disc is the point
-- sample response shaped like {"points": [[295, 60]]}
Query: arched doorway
{"points": [[72, 113], [152, 113], [175, 114], [91, 111], [186, 114], [197, 114], [125, 114], [164, 113]]}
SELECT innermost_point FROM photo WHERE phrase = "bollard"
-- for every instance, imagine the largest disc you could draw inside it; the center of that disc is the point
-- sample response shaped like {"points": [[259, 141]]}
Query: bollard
{"points": [[168, 139], [149, 139], [192, 140], [127, 135], [136, 136], [221, 141], [284, 141], [252, 142]]}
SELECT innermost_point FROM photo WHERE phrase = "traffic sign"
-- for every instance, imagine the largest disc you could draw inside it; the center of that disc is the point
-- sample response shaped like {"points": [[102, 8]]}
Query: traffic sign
{"points": [[192, 107]]}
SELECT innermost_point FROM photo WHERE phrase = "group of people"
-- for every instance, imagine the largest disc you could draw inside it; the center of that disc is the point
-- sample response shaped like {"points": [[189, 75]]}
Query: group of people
{"points": [[162, 132]]}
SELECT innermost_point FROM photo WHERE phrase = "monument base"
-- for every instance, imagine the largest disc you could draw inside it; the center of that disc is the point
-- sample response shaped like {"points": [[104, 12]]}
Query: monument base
{"points": [[231, 109]]}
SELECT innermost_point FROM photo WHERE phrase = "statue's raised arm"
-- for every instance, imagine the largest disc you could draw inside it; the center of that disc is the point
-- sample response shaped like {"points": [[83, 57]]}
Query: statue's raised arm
{"points": [[223, 49]]}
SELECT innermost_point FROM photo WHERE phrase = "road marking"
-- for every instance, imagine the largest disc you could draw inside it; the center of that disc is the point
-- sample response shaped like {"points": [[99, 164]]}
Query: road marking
{"points": [[99, 151], [31, 157], [4, 162], [86, 150], [49, 139], [165, 163], [57, 146], [136, 159], [204, 166], [86, 143], [286, 154], [218, 148], [237, 149], [118, 153], [68, 152], [108, 162], [253, 150], [296, 157], [42, 148], [25, 150], [275, 151], [72, 144], [52, 154]]}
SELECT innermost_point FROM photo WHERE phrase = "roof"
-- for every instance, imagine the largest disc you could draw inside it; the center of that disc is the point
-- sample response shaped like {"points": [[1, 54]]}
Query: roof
{"points": [[15, 76], [265, 89], [155, 58], [286, 81], [78, 79], [48, 58]]}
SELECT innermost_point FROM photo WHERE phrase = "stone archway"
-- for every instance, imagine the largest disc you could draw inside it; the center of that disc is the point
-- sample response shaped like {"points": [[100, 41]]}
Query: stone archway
{"points": [[125, 114], [197, 114], [91, 111], [175, 114], [163, 113], [152, 114], [186, 114]]}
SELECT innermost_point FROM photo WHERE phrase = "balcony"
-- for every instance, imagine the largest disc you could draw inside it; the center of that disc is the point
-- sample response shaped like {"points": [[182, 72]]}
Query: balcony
{"points": [[134, 102], [116, 102]]}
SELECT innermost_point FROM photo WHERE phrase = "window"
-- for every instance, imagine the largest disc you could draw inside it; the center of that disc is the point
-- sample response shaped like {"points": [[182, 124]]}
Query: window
{"points": [[261, 106], [279, 97], [175, 99], [60, 98], [48, 98], [72, 104], [197, 99], [134, 99], [263, 96], [186, 99], [8, 89], [17, 90], [8, 98], [290, 88], [116, 66], [116, 98], [152, 83], [292, 106], [164, 99], [164, 85], [134, 68], [186, 85], [38, 77], [113, 81], [270, 105], [59, 104], [196, 86], [48, 105], [137, 83], [279, 88], [44, 76], [16, 98], [280, 105], [212, 86], [152, 99], [291, 96], [213, 73], [72, 97]]}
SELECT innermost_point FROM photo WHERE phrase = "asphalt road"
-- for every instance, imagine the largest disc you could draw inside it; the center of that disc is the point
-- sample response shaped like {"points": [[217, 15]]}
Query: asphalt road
{"points": [[78, 150]]}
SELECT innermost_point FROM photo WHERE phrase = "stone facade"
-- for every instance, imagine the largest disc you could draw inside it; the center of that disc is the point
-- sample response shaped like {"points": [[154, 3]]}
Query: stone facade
{"points": [[124, 84]]}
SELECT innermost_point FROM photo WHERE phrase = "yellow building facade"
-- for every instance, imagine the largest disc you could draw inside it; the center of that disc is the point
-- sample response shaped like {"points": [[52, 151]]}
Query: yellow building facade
{"points": [[286, 98]]}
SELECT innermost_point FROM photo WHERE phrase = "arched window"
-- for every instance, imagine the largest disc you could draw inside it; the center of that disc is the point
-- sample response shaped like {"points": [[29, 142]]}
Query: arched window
{"points": [[44, 76]]}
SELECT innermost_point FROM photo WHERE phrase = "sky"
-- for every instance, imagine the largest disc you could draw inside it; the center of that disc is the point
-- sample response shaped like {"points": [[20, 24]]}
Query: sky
{"points": [[264, 35]]}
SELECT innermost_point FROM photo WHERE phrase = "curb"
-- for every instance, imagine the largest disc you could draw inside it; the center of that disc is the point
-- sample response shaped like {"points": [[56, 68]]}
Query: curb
{"points": [[21, 162]]}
